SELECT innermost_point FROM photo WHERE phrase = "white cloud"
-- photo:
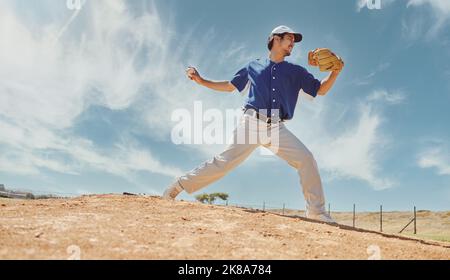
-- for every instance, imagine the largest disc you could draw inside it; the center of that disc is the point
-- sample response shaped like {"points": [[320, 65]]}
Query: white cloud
{"points": [[414, 26], [441, 7], [354, 153], [440, 11], [366, 80], [31, 148], [413, 29], [50, 82], [391, 98], [105, 55], [437, 158], [345, 149], [46, 84]]}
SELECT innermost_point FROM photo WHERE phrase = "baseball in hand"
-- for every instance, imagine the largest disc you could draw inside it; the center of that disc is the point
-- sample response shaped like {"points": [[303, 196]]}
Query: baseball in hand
{"points": [[190, 72]]}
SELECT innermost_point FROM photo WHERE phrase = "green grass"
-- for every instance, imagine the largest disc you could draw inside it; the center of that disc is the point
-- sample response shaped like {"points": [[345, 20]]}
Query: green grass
{"points": [[444, 238]]}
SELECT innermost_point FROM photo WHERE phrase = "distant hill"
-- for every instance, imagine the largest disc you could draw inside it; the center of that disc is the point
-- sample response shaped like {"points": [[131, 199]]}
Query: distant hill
{"points": [[5, 193], [14, 194]]}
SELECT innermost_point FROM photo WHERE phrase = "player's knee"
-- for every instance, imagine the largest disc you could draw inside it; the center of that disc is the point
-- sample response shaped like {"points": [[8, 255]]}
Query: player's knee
{"points": [[311, 159], [305, 161]]}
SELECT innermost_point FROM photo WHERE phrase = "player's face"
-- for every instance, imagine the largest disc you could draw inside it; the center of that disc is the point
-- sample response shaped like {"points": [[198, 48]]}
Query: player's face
{"points": [[287, 44]]}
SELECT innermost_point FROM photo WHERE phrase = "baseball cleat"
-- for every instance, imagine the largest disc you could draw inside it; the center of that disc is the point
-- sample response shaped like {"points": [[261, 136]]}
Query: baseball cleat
{"points": [[172, 192], [324, 217]]}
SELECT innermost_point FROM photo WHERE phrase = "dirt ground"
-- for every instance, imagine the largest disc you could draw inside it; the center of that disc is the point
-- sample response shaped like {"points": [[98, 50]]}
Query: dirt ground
{"points": [[137, 227]]}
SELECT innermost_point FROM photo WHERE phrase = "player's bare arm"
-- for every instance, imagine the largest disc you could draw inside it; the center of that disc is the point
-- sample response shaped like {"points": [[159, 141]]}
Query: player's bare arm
{"points": [[328, 83], [224, 86], [326, 60]]}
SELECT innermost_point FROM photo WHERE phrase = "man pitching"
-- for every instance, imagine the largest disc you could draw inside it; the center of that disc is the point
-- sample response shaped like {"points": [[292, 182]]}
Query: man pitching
{"points": [[274, 88]]}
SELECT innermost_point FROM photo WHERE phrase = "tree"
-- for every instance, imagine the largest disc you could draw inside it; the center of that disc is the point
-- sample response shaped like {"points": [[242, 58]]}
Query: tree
{"points": [[202, 197], [210, 198], [223, 196], [30, 196]]}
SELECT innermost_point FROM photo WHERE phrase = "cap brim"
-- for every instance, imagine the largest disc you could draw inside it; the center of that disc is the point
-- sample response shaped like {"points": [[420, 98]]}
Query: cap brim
{"points": [[298, 37]]}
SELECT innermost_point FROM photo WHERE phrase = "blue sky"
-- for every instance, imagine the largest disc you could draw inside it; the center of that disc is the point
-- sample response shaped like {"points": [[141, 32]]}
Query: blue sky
{"points": [[86, 97]]}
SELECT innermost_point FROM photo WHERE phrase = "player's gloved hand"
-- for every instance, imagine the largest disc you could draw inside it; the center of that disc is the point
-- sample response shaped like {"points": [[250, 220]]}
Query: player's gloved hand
{"points": [[325, 59]]}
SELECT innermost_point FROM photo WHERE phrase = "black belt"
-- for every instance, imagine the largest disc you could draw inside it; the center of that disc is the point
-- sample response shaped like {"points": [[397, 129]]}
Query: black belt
{"points": [[254, 113]]}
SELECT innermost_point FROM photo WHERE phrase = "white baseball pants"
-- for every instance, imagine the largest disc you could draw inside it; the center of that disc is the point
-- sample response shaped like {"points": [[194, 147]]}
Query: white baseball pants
{"points": [[280, 141]]}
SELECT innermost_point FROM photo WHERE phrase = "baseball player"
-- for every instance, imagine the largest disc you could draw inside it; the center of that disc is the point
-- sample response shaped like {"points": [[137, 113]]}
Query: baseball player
{"points": [[274, 86]]}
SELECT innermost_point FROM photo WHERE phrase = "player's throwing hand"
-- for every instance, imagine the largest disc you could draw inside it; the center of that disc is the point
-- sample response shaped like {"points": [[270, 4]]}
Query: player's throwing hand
{"points": [[193, 74]]}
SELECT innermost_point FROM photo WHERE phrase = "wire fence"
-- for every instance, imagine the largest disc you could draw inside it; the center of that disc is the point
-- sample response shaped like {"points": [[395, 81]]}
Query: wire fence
{"points": [[382, 221]]}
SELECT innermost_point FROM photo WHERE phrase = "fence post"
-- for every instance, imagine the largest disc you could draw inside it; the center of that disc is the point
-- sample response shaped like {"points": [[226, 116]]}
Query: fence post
{"points": [[284, 206], [415, 219], [381, 218], [329, 211], [227, 202], [354, 208], [264, 206]]}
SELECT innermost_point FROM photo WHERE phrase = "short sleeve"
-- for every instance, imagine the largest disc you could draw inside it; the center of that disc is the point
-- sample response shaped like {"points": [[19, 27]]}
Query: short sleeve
{"points": [[308, 83], [240, 79]]}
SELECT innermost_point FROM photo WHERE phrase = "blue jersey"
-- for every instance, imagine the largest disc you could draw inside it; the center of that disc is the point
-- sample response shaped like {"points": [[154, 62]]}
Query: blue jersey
{"points": [[275, 85]]}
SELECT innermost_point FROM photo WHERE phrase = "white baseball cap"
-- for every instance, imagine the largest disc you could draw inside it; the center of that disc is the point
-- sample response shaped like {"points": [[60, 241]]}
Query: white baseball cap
{"points": [[284, 29]]}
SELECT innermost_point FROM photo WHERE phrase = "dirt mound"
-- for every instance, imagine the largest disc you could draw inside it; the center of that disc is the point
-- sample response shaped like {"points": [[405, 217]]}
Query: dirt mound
{"points": [[135, 227]]}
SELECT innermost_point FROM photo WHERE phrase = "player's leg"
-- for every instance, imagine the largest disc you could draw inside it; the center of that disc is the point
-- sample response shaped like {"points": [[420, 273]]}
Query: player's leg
{"points": [[236, 152], [296, 154]]}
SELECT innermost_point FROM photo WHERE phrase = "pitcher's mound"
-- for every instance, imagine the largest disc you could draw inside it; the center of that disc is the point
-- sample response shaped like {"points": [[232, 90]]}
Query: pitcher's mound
{"points": [[136, 227]]}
